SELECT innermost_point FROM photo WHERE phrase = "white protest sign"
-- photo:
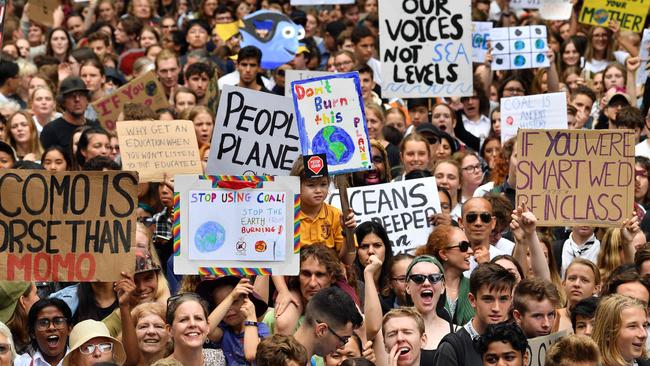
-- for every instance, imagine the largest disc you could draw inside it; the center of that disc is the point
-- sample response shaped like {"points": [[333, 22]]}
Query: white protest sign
{"points": [[292, 75], [426, 48], [402, 207], [555, 9], [516, 48], [332, 121], [642, 72], [537, 347], [254, 134], [480, 35], [320, 2], [540, 111], [525, 4]]}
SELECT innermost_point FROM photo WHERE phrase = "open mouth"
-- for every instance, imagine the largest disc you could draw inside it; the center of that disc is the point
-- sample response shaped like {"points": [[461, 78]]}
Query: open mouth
{"points": [[151, 341], [426, 294], [52, 341], [372, 177]]}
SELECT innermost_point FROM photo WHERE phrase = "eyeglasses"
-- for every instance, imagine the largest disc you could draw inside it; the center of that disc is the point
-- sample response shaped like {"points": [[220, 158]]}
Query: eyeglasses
{"points": [[641, 173], [471, 217], [343, 340], [4, 348], [400, 279], [344, 63], [44, 323], [463, 246], [90, 348], [472, 168], [378, 159], [420, 278]]}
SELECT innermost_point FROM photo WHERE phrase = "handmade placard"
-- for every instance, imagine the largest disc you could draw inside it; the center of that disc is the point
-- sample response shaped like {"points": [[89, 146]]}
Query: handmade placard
{"points": [[519, 47], [236, 225], [556, 9], [42, 11], [538, 346], [401, 207], [292, 75], [576, 177], [630, 14], [425, 48], [541, 111], [525, 4], [255, 133], [158, 148], [320, 2], [67, 226], [480, 35], [332, 121]]}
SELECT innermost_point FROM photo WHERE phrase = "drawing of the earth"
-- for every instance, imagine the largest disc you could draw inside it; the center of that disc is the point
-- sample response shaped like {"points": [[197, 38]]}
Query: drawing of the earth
{"points": [[335, 143], [209, 237]]}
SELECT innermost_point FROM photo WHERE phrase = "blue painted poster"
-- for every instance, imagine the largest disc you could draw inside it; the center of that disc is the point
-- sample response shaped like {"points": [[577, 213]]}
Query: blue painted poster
{"points": [[332, 121]]}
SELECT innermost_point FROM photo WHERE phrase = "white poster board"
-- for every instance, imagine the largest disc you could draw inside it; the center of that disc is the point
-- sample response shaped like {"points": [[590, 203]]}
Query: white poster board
{"points": [[538, 346], [255, 133], [402, 207], [252, 232], [332, 121], [515, 48], [540, 111], [292, 75], [425, 49], [555, 9], [320, 2], [642, 72], [480, 36], [525, 4]]}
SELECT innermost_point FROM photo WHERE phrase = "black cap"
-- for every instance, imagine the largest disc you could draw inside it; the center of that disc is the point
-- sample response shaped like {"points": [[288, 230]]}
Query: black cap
{"points": [[206, 288], [428, 129], [335, 28], [417, 102], [8, 69], [72, 84]]}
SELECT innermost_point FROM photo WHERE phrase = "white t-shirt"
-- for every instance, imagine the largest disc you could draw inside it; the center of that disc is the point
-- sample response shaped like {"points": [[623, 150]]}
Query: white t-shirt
{"points": [[570, 250], [642, 149]]}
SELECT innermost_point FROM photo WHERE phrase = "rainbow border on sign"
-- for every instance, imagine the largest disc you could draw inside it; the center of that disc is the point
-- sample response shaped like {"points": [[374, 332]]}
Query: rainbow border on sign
{"points": [[176, 224], [259, 179], [218, 271], [296, 223]]}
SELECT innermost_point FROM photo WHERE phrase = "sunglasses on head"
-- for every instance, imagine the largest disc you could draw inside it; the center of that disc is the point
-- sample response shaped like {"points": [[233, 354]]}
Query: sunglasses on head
{"points": [[420, 278], [463, 246], [471, 217]]}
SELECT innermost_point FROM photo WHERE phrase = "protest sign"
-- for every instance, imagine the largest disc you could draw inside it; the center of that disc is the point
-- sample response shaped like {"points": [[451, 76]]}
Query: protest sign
{"points": [[538, 346], [146, 89], [630, 14], [426, 48], [556, 9], [220, 229], [2, 19], [542, 111], [67, 226], [42, 11], [158, 148], [292, 75], [401, 207], [480, 35], [254, 134], [516, 48], [332, 121], [525, 4], [320, 2], [642, 72], [576, 177]]}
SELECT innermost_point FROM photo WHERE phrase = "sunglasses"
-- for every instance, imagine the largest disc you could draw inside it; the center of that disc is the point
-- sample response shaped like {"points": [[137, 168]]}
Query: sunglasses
{"points": [[342, 340], [463, 246], [471, 217], [420, 278]]}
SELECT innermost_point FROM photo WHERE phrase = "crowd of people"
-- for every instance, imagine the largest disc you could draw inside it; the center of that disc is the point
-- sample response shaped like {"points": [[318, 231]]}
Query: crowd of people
{"points": [[486, 281]]}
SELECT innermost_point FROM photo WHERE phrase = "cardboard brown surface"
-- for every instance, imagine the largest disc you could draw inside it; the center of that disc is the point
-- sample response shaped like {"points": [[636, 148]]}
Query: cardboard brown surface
{"points": [[145, 89], [576, 177], [42, 11], [156, 148], [67, 226]]}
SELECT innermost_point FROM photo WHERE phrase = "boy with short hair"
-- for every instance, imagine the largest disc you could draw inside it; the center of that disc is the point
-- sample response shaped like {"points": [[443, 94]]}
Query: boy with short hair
{"points": [[503, 342], [534, 304], [573, 350], [404, 336], [583, 316], [280, 350]]}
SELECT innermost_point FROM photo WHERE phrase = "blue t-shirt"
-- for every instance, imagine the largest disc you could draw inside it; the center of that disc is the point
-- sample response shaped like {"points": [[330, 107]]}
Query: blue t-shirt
{"points": [[232, 343]]}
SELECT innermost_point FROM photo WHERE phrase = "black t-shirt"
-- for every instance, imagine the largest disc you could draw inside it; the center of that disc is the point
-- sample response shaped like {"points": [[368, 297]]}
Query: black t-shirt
{"points": [[59, 132]]}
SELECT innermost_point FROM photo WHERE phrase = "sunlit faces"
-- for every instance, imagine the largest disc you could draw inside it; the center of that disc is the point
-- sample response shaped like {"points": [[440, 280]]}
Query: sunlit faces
{"points": [[477, 231], [152, 334], [452, 255], [106, 11], [168, 70], [184, 101], [641, 183], [447, 176], [148, 38], [396, 120], [583, 104], [142, 9], [96, 356], [471, 170], [197, 36], [374, 124], [442, 117], [20, 128], [234, 315], [54, 161], [496, 123], [343, 63], [98, 145], [632, 334], [402, 332], [6, 160], [398, 277], [203, 126], [491, 306], [599, 39], [146, 286], [503, 354], [313, 191], [51, 340], [425, 296], [538, 319], [371, 244], [248, 69], [365, 48], [443, 152], [511, 267], [313, 277], [189, 328], [5, 358], [59, 43], [92, 77], [613, 77], [350, 350], [580, 283], [199, 84], [491, 150], [415, 156], [571, 56], [634, 289], [584, 325]]}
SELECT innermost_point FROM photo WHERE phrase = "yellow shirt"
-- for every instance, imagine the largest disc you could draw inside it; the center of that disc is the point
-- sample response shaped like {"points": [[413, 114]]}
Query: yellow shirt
{"points": [[325, 228]]}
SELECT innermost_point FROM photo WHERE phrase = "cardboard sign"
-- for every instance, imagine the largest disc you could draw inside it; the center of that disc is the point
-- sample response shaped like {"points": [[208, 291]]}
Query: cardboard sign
{"points": [[556, 9], [576, 177], [402, 207], [541, 111], [515, 48], [254, 134], [212, 94], [292, 75], [145, 89], [247, 231], [538, 346], [426, 48], [315, 165], [630, 14], [42, 11], [525, 4], [480, 35], [158, 148], [67, 226], [332, 121], [320, 2]]}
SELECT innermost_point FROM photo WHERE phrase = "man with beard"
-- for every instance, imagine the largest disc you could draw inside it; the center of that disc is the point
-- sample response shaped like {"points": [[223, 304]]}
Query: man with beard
{"points": [[73, 98]]}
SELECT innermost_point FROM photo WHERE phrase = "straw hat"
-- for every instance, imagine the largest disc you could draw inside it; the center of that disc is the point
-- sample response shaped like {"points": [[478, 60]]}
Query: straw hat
{"points": [[87, 330]]}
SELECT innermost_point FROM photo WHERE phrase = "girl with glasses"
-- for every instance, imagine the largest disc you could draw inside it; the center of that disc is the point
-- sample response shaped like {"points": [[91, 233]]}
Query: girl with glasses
{"points": [[447, 173], [472, 171], [49, 324]]}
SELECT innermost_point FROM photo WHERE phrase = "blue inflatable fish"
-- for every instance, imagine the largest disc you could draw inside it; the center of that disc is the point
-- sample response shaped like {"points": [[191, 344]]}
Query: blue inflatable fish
{"points": [[273, 33]]}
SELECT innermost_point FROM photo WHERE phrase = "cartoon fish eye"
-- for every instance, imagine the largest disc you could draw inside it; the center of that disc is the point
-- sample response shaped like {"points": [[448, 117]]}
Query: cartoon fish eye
{"points": [[288, 32], [301, 33]]}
